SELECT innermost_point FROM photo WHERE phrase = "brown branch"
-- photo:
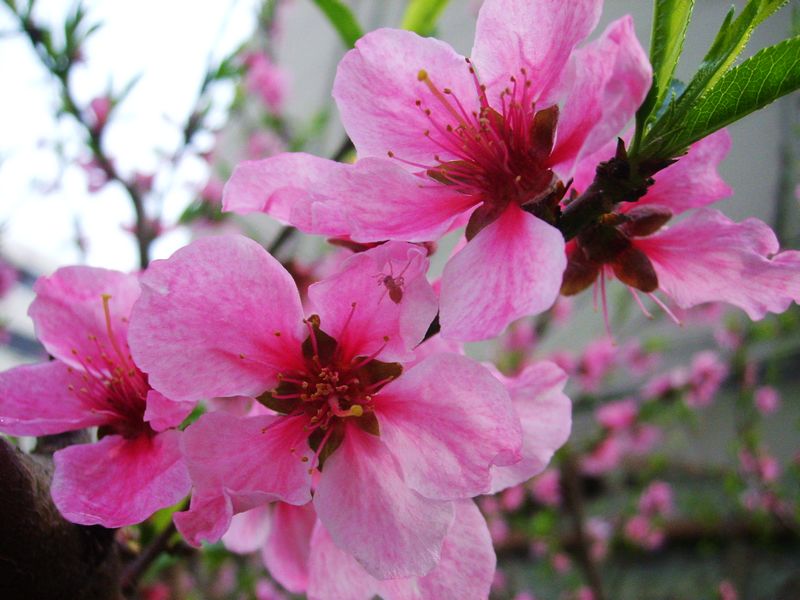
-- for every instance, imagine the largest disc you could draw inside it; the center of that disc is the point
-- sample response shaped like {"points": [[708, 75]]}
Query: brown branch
{"points": [[138, 567], [43, 556], [573, 503]]}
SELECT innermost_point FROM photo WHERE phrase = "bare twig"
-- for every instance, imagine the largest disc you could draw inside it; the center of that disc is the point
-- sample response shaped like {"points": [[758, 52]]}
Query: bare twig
{"points": [[573, 502]]}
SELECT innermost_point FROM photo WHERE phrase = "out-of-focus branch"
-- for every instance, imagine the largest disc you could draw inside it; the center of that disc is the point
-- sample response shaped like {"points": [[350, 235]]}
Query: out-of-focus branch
{"points": [[43, 556], [573, 502], [138, 567], [60, 65]]}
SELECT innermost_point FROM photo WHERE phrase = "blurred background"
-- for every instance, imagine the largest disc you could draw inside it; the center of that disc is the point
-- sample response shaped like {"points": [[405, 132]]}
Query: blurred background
{"points": [[682, 477]]}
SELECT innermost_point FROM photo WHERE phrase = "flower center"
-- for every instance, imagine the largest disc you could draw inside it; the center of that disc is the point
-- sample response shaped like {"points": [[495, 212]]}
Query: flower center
{"points": [[497, 154], [113, 385], [329, 389]]}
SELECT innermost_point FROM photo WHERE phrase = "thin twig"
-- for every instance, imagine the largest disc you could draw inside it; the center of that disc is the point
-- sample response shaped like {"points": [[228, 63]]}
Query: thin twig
{"points": [[138, 567], [573, 502]]}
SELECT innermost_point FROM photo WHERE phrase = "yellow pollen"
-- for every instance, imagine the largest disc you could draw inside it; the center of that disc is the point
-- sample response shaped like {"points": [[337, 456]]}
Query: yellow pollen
{"points": [[356, 410], [422, 75]]}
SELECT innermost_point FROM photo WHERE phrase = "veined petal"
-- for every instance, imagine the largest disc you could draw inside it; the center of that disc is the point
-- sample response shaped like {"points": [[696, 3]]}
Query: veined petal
{"points": [[377, 88], [249, 530], [464, 572], [372, 514], [221, 317], [511, 269], [118, 482], [537, 35], [403, 207], [446, 421], [37, 400], [694, 180], [607, 81], [163, 413], [545, 413], [289, 187], [69, 318], [359, 307], [709, 258], [287, 548], [252, 461]]}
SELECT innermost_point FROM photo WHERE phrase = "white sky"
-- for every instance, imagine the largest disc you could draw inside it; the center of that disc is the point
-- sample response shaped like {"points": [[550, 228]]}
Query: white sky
{"points": [[168, 44]]}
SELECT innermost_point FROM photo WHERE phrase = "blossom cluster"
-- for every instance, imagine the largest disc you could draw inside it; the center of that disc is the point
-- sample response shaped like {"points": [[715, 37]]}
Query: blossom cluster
{"points": [[332, 426]]}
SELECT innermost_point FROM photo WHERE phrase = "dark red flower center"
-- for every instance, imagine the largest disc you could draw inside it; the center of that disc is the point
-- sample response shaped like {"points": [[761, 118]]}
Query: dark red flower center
{"points": [[114, 385], [497, 154], [329, 389]]}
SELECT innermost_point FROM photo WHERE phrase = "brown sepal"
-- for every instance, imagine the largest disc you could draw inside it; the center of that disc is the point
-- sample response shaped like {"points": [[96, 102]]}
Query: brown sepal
{"points": [[646, 220], [543, 131], [633, 268], [334, 441], [579, 274], [368, 422], [325, 343], [483, 216], [283, 406]]}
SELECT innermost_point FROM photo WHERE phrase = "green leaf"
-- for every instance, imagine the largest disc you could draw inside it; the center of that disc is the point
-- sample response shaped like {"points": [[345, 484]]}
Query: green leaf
{"points": [[421, 15], [670, 21], [342, 20], [658, 138], [769, 74]]}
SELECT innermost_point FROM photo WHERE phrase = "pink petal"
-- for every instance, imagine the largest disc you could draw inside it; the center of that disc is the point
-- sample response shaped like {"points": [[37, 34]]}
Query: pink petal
{"points": [[545, 413], [537, 35], [208, 320], [511, 269], [36, 400], [286, 552], [467, 566], [377, 89], [252, 461], [333, 573], [607, 81], [290, 187], [465, 571], [208, 518], [118, 482], [68, 312], [446, 421], [249, 530], [361, 329], [709, 258], [403, 207], [163, 413], [372, 514], [693, 181]]}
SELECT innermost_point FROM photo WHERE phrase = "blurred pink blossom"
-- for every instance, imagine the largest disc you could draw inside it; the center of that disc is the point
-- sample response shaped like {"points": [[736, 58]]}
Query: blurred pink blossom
{"points": [[767, 400]]}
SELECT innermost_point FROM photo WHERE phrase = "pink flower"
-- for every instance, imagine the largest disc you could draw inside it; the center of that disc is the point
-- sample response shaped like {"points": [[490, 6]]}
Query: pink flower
{"points": [[641, 531], [705, 377], [561, 562], [395, 446], [300, 554], [597, 361], [767, 400], [704, 258], [618, 415], [100, 109], [656, 499], [8, 278], [485, 142], [265, 79], [135, 468], [727, 591], [546, 488]]}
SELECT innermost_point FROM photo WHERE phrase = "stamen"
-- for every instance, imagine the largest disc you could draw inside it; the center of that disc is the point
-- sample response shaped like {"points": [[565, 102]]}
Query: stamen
{"points": [[665, 308]]}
